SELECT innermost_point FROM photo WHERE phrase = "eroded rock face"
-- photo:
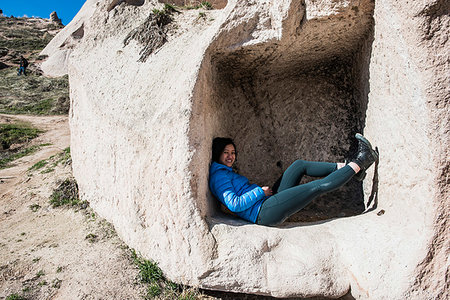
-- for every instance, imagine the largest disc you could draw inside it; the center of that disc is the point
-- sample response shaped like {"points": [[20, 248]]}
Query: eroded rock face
{"points": [[286, 79], [60, 48]]}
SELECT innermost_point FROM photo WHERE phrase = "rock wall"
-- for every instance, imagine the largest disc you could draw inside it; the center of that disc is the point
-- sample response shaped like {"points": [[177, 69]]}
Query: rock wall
{"points": [[286, 79]]}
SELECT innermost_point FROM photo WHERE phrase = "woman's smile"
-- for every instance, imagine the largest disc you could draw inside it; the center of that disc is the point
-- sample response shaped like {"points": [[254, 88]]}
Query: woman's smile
{"points": [[228, 156]]}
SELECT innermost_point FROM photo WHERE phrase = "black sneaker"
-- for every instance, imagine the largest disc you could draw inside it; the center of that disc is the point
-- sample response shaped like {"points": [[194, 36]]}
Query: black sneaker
{"points": [[360, 175], [366, 156]]}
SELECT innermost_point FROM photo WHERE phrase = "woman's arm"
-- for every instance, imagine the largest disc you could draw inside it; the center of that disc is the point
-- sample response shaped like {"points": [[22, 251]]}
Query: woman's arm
{"points": [[223, 189]]}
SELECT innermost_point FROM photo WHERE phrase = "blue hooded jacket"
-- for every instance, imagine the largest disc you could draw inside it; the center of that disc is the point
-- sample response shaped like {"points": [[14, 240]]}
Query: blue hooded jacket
{"points": [[235, 192]]}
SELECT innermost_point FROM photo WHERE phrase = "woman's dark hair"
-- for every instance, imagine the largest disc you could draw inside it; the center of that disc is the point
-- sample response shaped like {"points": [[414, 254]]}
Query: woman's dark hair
{"points": [[218, 145]]}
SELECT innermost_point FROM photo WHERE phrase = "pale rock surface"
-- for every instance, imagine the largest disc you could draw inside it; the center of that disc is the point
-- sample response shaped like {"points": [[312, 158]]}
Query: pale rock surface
{"points": [[286, 79], [60, 47]]}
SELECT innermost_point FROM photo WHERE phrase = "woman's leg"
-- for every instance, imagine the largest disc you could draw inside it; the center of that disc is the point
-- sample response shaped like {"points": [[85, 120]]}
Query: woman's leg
{"points": [[293, 175], [276, 209]]}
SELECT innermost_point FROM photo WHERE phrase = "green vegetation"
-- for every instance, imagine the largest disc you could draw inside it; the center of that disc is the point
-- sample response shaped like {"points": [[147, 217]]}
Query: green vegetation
{"points": [[40, 274], [43, 282], [15, 297], [52, 161], [157, 285], [33, 94], [92, 238], [38, 165], [206, 5], [5, 160], [203, 4], [24, 35], [65, 194], [56, 283], [152, 34], [16, 133], [34, 207]]}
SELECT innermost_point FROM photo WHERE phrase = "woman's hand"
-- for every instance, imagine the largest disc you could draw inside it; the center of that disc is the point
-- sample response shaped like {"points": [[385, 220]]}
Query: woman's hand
{"points": [[267, 191]]}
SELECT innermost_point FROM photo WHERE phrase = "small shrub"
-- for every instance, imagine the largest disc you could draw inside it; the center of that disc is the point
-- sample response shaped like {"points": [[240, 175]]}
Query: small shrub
{"points": [[66, 153], [152, 34], [153, 290], [158, 286], [15, 297], [34, 207], [92, 238], [65, 194], [189, 294], [56, 283], [38, 165], [48, 170], [170, 8], [40, 274], [206, 5], [202, 15], [149, 271]]}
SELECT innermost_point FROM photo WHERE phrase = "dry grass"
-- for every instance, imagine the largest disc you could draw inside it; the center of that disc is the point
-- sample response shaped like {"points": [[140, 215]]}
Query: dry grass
{"points": [[152, 34]]}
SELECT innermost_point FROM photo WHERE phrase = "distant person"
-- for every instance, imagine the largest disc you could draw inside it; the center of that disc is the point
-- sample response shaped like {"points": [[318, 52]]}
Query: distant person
{"points": [[23, 65]]}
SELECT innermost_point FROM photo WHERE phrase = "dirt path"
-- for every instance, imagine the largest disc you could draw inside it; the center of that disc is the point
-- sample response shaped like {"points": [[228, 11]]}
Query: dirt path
{"points": [[61, 253], [56, 253]]}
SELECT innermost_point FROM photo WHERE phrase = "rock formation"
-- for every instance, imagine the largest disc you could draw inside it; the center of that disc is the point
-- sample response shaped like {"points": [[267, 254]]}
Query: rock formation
{"points": [[60, 48], [286, 79], [55, 20]]}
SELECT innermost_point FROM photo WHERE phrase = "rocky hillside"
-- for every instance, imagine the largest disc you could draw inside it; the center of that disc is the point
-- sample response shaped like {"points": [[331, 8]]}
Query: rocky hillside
{"points": [[32, 94]]}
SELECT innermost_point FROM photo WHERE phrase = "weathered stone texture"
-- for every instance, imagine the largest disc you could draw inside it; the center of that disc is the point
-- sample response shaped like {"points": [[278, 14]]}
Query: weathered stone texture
{"points": [[286, 79], [60, 48]]}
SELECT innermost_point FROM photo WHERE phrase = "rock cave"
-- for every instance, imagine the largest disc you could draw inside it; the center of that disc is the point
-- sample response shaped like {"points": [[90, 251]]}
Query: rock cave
{"points": [[286, 79], [301, 97]]}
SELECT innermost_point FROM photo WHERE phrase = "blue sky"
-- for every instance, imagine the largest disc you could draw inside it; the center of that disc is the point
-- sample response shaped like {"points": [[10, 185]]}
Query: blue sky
{"points": [[66, 10]]}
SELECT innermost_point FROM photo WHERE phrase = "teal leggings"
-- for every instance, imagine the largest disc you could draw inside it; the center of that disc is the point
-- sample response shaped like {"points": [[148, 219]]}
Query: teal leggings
{"points": [[292, 197]]}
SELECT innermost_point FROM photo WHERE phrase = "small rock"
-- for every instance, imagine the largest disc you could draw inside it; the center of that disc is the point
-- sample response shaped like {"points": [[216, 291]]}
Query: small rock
{"points": [[381, 212]]}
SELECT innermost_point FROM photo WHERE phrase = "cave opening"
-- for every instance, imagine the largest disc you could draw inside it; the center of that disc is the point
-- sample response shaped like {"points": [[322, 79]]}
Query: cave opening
{"points": [[301, 97]]}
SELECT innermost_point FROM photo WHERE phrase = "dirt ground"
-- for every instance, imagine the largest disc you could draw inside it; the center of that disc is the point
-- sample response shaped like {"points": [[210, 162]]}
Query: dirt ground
{"points": [[61, 253], [56, 253]]}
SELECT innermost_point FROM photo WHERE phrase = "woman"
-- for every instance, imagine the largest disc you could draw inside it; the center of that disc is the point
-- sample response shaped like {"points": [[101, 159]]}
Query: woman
{"points": [[261, 205]]}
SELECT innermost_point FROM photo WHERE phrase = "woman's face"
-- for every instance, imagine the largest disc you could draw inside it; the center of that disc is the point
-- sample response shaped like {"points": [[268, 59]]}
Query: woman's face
{"points": [[228, 156]]}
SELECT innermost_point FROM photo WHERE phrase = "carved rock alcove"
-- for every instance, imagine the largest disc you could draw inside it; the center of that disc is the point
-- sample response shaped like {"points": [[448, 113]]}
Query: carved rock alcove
{"points": [[287, 79], [301, 95]]}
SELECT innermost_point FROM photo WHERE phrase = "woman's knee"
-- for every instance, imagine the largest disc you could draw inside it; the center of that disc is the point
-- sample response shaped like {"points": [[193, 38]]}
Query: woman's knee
{"points": [[299, 163]]}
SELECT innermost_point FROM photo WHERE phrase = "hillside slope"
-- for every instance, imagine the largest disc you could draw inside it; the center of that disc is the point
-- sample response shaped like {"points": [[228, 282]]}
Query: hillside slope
{"points": [[34, 93]]}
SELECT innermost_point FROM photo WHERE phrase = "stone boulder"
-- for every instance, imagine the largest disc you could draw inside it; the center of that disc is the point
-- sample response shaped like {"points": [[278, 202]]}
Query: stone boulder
{"points": [[287, 79]]}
